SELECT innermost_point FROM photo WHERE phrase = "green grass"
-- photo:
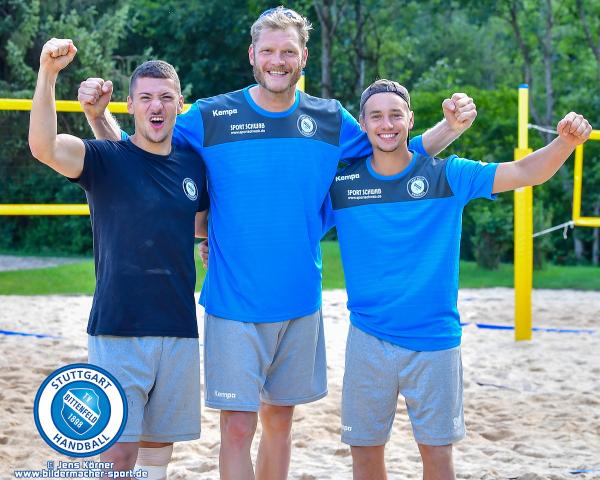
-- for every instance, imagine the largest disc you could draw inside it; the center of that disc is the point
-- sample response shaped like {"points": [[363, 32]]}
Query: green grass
{"points": [[74, 279], [70, 279]]}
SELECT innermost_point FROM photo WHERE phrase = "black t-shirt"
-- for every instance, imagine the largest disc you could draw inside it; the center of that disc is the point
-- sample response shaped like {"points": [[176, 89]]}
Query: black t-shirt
{"points": [[143, 208]]}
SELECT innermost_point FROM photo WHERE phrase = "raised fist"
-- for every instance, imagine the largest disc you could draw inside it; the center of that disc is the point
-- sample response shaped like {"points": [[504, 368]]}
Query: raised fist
{"points": [[56, 54], [459, 111], [574, 129], [94, 95]]}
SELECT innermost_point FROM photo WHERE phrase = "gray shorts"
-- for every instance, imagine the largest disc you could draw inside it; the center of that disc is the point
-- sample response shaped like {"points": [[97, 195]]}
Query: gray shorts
{"points": [[161, 379], [430, 382], [281, 363]]}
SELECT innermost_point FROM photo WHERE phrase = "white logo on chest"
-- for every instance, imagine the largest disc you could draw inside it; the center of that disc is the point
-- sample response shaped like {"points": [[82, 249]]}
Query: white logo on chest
{"points": [[190, 189], [229, 112], [417, 187], [306, 125]]}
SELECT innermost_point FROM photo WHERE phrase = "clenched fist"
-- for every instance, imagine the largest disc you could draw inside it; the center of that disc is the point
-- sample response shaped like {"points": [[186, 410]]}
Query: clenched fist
{"points": [[57, 54], [459, 111], [574, 129], [94, 95]]}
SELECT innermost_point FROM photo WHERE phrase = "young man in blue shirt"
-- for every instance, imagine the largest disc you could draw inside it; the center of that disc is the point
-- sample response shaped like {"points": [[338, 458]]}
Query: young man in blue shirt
{"points": [[145, 198], [404, 208], [271, 153]]}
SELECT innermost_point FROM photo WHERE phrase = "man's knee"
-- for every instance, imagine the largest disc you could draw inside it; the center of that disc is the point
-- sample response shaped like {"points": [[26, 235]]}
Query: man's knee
{"points": [[238, 427], [122, 455], [276, 419], [368, 454], [437, 462], [368, 462], [436, 452], [154, 459]]}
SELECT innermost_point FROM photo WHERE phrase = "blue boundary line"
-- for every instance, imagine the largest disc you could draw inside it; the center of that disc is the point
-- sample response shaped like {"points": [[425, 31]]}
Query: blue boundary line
{"points": [[24, 334], [535, 329], [584, 470]]}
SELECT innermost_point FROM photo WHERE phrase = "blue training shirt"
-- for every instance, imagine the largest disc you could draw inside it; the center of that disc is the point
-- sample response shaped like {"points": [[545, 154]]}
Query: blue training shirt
{"points": [[268, 175], [142, 210], [400, 244]]}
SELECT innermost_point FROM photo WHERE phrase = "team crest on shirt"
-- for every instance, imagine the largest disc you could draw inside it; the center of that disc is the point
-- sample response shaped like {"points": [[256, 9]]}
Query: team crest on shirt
{"points": [[307, 125], [417, 187], [190, 189]]}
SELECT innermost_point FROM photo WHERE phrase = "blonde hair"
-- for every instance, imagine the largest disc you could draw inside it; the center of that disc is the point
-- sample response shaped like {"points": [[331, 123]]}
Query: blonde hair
{"points": [[281, 18]]}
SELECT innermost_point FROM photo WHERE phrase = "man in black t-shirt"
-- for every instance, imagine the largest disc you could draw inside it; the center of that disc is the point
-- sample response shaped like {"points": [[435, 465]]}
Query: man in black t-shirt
{"points": [[146, 202]]}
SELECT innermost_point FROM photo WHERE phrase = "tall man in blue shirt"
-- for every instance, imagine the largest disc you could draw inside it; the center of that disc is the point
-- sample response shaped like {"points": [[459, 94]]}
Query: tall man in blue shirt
{"points": [[271, 153], [398, 217], [144, 199]]}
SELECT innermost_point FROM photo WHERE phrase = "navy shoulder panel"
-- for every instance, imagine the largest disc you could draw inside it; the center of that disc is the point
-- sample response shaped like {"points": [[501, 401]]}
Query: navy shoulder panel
{"points": [[355, 185], [230, 118]]}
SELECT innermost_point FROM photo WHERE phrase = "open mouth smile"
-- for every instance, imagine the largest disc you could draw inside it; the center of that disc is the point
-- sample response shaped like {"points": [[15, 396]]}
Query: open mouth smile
{"points": [[157, 121]]}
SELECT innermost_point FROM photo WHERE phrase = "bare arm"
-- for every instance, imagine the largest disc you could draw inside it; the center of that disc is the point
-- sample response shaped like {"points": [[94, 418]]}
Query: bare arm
{"points": [[63, 153], [94, 95], [202, 224], [539, 166], [203, 252], [459, 115]]}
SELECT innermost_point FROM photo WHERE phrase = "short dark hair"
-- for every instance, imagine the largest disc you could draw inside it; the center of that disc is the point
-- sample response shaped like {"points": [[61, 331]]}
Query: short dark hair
{"points": [[154, 69]]}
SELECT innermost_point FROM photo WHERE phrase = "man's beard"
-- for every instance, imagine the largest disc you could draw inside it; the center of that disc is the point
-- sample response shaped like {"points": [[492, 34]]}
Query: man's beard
{"points": [[260, 78]]}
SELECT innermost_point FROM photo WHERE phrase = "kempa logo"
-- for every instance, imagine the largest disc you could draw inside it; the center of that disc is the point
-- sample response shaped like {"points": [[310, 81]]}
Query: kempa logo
{"points": [[306, 125], [227, 395], [417, 187], [229, 112], [80, 410], [341, 178], [190, 189]]}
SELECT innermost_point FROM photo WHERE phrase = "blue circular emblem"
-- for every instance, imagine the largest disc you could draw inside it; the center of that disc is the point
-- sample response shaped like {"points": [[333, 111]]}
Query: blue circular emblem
{"points": [[417, 187], [190, 189], [306, 125], [80, 410]]}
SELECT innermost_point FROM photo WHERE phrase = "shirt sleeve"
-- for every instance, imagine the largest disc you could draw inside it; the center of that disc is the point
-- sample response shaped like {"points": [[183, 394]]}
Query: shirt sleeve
{"points": [[189, 129], [327, 215], [470, 179], [204, 201], [416, 144], [354, 143], [94, 164]]}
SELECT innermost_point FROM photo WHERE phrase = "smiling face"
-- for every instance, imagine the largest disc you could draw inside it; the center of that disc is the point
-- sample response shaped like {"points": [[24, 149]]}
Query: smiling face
{"points": [[277, 59], [387, 120], [154, 103]]}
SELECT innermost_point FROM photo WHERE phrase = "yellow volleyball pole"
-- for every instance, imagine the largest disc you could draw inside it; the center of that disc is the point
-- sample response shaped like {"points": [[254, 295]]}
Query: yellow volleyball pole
{"points": [[53, 209], [45, 209], [61, 105], [577, 183], [66, 105], [523, 235], [301, 85], [578, 220]]}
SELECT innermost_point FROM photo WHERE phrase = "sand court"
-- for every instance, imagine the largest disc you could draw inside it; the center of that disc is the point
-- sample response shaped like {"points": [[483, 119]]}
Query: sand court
{"points": [[532, 409]]}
